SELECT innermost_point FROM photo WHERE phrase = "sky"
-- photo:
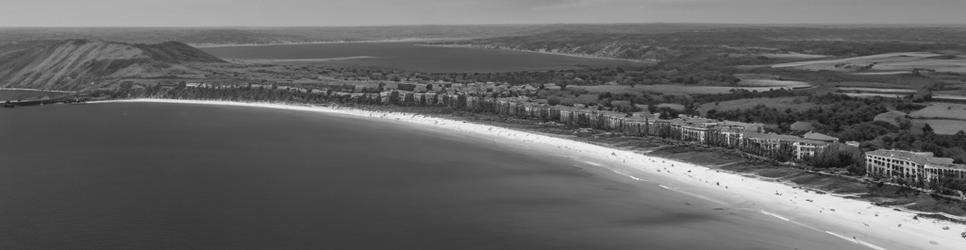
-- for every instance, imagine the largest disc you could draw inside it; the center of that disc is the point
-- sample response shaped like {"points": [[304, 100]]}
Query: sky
{"points": [[115, 13]]}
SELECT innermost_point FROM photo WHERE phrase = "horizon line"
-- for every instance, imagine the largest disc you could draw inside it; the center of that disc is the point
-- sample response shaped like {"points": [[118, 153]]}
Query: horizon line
{"points": [[500, 24]]}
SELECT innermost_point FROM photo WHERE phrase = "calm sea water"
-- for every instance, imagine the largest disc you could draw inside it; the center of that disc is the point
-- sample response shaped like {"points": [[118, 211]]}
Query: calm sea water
{"points": [[409, 56], [166, 176]]}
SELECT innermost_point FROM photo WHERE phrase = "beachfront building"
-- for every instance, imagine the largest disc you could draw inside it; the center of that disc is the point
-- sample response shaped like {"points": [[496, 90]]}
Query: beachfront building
{"points": [[730, 134], [774, 146], [692, 128], [811, 143], [612, 120], [807, 148], [709, 131], [635, 125], [918, 169], [566, 114]]}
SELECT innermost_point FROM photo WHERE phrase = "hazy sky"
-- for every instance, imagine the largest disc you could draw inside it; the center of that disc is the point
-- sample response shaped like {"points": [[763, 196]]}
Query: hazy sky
{"points": [[396, 12]]}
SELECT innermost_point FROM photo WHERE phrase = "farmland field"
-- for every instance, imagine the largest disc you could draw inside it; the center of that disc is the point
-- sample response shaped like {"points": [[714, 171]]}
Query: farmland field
{"points": [[890, 63], [670, 89], [949, 96], [769, 80], [942, 110], [884, 95], [940, 126], [773, 83], [780, 103], [944, 118], [878, 90], [407, 56]]}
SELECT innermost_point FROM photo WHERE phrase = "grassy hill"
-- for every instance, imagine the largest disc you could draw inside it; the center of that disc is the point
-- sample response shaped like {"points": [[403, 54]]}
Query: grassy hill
{"points": [[81, 64]]}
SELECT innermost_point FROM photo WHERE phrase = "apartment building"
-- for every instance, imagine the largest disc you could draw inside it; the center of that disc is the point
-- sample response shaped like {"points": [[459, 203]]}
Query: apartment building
{"points": [[920, 169]]}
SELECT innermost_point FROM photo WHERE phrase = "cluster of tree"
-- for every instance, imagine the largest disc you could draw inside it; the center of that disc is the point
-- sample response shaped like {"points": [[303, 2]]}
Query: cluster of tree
{"points": [[834, 114], [736, 94], [840, 156]]}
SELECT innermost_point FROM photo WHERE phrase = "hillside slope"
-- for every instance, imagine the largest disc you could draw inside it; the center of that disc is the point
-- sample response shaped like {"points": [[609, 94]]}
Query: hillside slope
{"points": [[82, 64]]}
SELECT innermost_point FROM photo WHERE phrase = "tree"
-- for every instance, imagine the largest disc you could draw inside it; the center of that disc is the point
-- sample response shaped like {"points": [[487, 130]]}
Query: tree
{"points": [[927, 130], [840, 156], [923, 94], [553, 100], [857, 170]]}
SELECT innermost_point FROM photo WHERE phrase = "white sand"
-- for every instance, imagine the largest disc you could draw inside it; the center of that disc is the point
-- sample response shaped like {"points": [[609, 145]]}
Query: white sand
{"points": [[851, 220]]}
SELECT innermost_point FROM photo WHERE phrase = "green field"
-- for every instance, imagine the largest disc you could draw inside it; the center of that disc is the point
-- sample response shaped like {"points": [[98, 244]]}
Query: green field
{"points": [[669, 89], [889, 63], [781, 103], [940, 126], [944, 118], [939, 110]]}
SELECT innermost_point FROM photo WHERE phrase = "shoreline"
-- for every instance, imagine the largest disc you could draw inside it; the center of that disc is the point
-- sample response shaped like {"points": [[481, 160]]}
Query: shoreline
{"points": [[540, 52], [300, 60], [856, 221], [404, 40], [421, 42]]}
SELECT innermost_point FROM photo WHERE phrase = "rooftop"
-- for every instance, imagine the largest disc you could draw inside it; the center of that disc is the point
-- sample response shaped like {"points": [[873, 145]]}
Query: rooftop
{"points": [[773, 136], [694, 121], [820, 137]]}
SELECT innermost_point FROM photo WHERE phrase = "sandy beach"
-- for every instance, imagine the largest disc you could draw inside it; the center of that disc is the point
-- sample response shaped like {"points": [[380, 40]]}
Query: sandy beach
{"points": [[861, 223]]}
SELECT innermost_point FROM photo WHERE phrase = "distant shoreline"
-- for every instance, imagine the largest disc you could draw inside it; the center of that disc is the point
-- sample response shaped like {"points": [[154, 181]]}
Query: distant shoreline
{"points": [[538, 52], [404, 40], [419, 42], [839, 217], [300, 60]]}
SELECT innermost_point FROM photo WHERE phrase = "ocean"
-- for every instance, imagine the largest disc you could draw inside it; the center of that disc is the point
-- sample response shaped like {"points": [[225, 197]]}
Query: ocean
{"points": [[176, 176]]}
